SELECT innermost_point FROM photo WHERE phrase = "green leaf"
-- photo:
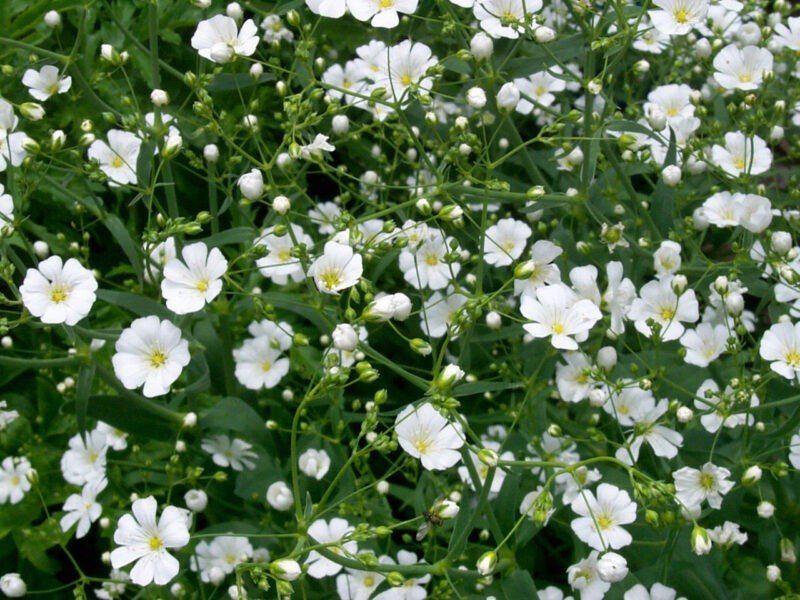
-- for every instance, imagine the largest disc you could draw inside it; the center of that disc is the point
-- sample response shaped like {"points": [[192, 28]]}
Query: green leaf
{"points": [[83, 391], [139, 305], [144, 164], [289, 302], [125, 241], [519, 585], [227, 82], [624, 126], [146, 419], [237, 235], [471, 389], [233, 414]]}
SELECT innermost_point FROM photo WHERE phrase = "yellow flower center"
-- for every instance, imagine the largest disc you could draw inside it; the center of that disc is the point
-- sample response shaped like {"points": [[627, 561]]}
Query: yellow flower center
{"points": [[406, 79], [421, 445], [369, 581], [158, 359], [672, 111], [230, 559], [284, 255], [558, 328], [745, 78], [117, 162], [681, 15], [14, 481], [266, 366], [384, 4], [793, 359], [52, 89], [92, 457], [58, 294], [331, 279], [706, 481], [667, 313], [604, 521], [739, 163], [202, 285], [155, 543], [432, 260]]}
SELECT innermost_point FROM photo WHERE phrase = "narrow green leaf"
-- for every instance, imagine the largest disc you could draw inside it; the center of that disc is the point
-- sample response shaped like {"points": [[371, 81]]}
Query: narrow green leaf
{"points": [[83, 391], [125, 241], [139, 305]]}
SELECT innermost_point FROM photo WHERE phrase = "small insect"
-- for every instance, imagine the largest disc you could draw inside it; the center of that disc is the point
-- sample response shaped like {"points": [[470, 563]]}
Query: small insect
{"points": [[431, 520]]}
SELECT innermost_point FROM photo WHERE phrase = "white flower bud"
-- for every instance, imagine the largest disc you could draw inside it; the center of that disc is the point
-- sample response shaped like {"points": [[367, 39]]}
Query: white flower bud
{"points": [[446, 509], [765, 509], [787, 551], [734, 303], [105, 522], [281, 205], [612, 567], [487, 563], [6, 342], [284, 160], [32, 111], [493, 320], [382, 487], [211, 153], [657, 119], [781, 242], [598, 397], [544, 35], [107, 52], [476, 97], [776, 133], [464, 149], [256, 71], [41, 249], [251, 184], [286, 569], [159, 97], [701, 543], [594, 87], [234, 11], [461, 122], [773, 573], [340, 124], [237, 593], [678, 284], [702, 48], [607, 358], [402, 306], [57, 140], [180, 446], [450, 375], [684, 414], [12, 586], [508, 97], [196, 500], [752, 475], [488, 457], [250, 122], [345, 337], [280, 496], [671, 175], [189, 420], [52, 19], [481, 46]]}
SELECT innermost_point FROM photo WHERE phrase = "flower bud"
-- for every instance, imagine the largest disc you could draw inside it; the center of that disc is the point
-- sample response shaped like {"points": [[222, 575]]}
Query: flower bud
{"points": [[476, 97], [544, 35], [787, 551], [781, 242], [612, 567], [280, 496], [773, 573], [159, 97], [285, 569], [678, 284], [256, 71], [445, 509], [340, 124], [481, 46], [488, 457], [607, 358], [765, 509], [196, 500], [189, 420], [701, 543], [345, 337], [32, 111], [508, 97], [671, 175], [493, 320], [702, 48], [57, 140], [449, 376], [12, 585], [281, 205], [752, 475], [487, 563], [421, 347], [211, 153], [657, 119], [734, 303], [52, 19], [382, 487], [251, 184]]}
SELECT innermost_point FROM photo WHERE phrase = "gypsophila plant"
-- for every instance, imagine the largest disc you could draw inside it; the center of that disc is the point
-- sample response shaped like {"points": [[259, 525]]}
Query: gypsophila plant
{"points": [[399, 299]]}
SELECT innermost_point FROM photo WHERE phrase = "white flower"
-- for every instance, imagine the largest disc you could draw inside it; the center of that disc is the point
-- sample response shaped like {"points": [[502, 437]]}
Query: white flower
{"points": [[667, 259], [658, 591], [674, 100], [505, 18], [357, 585], [482, 469], [678, 17], [425, 264], [157, 257], [557, 313], [6, 416], [389, 306], [439, 312], [403, 66], [324, 532], [118, 157], [7, 213], [413, 588], [325, 215], [742, 155], [664, 441], [600, 519], [12, 149], [150, 353], [727, 534], [315, 149], [742, 69], [381, 13], [788, 35], [259, 364], [704, 344], [505, 242], [572, 379], [12, 585], [45, 82], [425, 434], [279, 264], [750, 211], [583, 576], [275, 30], [219, 40], [657, 301], [59, 292], [188, 287], [781, 346], [333, 9], [83, 508], [227, 452], [145, 540], [314, 463], [280, 496], [540, 87], [14, 482], [794, 450], [337, 269], [693, 486], [225, 553], [85, 461], [540, 268], [618, 297], [347, 83]]}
